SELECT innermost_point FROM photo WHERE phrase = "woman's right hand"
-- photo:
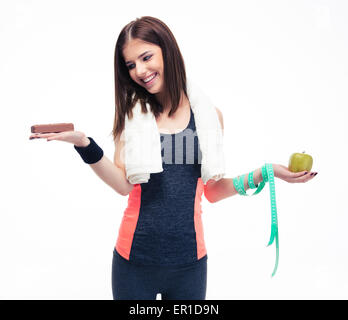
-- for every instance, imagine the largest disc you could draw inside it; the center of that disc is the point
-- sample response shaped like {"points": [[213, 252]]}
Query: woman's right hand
{"points": [[77, 138]]}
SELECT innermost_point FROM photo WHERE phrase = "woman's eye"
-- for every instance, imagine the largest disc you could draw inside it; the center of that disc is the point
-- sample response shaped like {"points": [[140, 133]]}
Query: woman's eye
{"points": [[130, 66]]}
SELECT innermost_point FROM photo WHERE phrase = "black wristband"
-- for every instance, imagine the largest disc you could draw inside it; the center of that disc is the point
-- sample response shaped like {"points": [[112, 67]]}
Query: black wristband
{"points": [[90, 154]]}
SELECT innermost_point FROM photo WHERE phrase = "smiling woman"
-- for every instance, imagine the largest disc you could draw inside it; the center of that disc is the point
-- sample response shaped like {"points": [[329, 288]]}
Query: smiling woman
{"points": [[160, 246], [147, 47], [147, 71]]}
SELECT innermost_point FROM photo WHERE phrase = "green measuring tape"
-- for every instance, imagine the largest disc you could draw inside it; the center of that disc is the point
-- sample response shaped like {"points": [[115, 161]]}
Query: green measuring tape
{"points": [[268, 176]]}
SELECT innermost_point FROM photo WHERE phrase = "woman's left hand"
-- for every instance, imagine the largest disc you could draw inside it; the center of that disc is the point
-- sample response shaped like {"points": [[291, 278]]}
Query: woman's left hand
{"points": [[285, 174]]}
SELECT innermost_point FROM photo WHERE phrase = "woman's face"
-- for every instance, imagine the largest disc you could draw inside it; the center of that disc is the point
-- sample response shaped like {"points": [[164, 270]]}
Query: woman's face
{"points": [[145, 64]]}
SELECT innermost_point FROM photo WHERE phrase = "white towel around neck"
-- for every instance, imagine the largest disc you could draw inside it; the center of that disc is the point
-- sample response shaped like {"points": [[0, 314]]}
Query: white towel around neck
{"points": [[143, 144]]}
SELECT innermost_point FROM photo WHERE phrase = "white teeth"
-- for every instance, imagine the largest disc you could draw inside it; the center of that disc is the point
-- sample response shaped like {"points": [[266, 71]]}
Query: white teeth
{"points": [[149, 78]]}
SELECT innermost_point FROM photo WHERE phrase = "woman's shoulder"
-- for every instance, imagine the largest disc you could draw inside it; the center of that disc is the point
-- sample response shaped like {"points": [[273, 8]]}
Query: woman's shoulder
{"points": [[119, 152], [221, 119]]}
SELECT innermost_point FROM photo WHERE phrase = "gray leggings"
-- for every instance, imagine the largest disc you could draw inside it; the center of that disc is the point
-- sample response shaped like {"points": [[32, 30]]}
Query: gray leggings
{"points": [[138, 282]]}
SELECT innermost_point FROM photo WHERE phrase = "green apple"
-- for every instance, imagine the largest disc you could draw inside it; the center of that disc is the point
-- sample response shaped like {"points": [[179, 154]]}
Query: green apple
{"points": [[300, 162]]}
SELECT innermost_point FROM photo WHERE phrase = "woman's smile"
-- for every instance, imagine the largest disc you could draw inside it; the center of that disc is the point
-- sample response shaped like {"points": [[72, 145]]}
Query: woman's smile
{"points": [[150, 80]]}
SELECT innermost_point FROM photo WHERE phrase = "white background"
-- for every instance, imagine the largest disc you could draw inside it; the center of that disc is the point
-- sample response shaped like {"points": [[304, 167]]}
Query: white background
{"points": [[277, 70]]}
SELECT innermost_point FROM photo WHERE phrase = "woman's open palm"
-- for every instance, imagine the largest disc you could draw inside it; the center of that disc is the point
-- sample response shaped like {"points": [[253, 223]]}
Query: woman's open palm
{"points": [[285, 174], [74, 137]]}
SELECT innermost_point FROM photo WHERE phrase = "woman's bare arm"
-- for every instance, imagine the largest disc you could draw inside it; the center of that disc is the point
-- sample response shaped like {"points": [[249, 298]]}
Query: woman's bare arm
{"points": [[113, 174]]}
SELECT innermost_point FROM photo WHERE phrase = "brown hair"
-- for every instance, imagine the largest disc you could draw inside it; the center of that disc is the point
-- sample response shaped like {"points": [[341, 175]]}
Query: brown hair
{"points": [[128, 92]]}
